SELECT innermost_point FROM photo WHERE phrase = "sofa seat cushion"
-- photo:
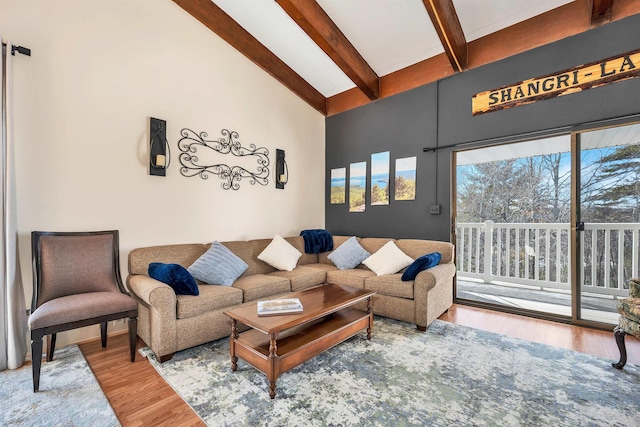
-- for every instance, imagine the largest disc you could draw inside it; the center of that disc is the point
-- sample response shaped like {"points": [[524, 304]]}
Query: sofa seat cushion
{"points": [[354, 277], [390, 284], [323, 267], [302, 277], [260, 286], [212, 297]]}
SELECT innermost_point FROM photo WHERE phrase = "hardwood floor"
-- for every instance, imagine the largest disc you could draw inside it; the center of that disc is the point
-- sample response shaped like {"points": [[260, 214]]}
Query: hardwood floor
{"points": [[140, 396], [577, 338], [137, 393]]}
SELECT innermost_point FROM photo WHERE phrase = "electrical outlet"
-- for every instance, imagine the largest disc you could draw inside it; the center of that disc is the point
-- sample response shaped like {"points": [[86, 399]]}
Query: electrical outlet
{"points": [[434, 209], [118, 322]]}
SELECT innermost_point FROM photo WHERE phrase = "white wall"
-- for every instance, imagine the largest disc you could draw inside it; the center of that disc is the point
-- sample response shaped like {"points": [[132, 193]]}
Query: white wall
{"points": [[99, 69]]}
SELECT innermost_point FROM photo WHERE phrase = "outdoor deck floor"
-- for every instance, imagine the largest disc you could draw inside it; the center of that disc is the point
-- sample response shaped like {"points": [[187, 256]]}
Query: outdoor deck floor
{"points": [[601, 309]]}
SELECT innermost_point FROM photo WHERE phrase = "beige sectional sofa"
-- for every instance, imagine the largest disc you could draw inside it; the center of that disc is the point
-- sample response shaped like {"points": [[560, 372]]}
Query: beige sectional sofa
{"points": [[168, 322]]}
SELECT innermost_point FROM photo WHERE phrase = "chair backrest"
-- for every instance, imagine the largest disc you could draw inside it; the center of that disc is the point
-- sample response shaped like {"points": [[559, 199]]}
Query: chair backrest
{"points": [[68, 263]]}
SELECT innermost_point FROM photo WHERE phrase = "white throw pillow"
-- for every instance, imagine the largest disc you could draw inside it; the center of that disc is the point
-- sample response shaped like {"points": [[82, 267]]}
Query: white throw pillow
{"points": [[280, 254], [388, 260]]}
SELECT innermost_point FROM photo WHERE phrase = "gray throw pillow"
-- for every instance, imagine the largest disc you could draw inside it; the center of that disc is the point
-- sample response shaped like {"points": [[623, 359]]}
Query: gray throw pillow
{"points": [[349, 254], [218, 266]]}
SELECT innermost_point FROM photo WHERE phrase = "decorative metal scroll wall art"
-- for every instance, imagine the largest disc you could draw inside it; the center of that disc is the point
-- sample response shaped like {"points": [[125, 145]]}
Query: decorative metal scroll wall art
{"points": [[194, 147]]}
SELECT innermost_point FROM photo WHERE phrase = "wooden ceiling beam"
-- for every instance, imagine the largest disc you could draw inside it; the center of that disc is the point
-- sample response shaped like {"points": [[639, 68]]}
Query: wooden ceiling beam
{"points": [[411, 77], [623, 9], [601, 11], [325, 33], [445, 20], [229, 30]]}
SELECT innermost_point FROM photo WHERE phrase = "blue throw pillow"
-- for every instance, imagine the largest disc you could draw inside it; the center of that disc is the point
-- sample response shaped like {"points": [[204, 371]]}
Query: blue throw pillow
{"points": [[175, 276], [349, 254], [218, 266], [422, 263]]}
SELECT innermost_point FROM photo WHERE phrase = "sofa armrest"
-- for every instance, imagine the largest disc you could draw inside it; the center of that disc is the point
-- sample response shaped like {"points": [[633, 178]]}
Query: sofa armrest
{"points": [[433, 293], [427, 279], [153, 292], [157, 314]]}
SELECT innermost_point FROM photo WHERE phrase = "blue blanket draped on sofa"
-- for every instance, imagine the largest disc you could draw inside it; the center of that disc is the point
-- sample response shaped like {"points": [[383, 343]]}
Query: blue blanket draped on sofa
{"points": [[317, 241]]}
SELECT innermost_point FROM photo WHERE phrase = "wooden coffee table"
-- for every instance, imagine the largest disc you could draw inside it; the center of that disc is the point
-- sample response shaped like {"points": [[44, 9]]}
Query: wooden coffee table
{"points": [[275, 344]]}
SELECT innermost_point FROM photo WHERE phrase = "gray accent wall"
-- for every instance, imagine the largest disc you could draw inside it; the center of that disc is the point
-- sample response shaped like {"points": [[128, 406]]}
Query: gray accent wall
{"points": [[439, 115]]}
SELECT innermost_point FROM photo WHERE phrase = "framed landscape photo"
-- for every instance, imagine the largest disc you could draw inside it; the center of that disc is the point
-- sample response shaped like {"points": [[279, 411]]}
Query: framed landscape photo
{"points": [[380, 178], [357, 186], [405, 179], [338, 186]]}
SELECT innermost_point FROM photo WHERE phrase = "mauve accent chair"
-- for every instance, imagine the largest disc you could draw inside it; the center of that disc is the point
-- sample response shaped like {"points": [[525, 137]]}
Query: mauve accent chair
{"points": [[76, 283], [629, 321]]}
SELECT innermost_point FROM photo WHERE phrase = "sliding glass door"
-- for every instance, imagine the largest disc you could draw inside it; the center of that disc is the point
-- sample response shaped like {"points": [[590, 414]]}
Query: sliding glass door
{"points": [[550, 226], [608, 219], [512, 225]]}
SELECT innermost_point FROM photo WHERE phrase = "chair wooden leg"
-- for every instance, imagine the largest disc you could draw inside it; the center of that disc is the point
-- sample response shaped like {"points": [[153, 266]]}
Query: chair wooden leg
{"points": [[619, 334], [51, 347], [103, 333], [133, 335], [36, 357]]}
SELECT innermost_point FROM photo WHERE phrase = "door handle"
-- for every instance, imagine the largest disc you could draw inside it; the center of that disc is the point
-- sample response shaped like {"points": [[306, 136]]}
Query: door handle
{"points": [[580, 226]]}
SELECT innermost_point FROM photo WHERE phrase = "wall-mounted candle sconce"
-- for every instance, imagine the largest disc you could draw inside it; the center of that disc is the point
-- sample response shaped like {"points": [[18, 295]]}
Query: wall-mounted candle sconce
{"points": [[282, 171], [159, 152]]}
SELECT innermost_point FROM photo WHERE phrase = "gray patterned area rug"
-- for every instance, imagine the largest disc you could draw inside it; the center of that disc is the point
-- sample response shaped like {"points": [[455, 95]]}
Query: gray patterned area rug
{"points": [[449, 376], [69, 395]]}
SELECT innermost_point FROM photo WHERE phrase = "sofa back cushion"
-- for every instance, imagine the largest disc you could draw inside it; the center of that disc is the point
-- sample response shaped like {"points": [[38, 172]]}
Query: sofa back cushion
{"points": [[248, 251], [185, 255], [416, 248], [298, 243], [373, 244]]}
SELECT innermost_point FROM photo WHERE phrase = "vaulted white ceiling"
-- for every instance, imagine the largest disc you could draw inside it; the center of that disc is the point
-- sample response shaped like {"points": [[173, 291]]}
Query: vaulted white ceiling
{"points": [[389, 34], [339, 54]]}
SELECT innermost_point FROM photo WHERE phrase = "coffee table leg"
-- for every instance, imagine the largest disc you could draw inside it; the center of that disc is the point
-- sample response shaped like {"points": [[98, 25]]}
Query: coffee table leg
{"points": [[272, 376], [232, 344], [272, 389], [370, 311]]}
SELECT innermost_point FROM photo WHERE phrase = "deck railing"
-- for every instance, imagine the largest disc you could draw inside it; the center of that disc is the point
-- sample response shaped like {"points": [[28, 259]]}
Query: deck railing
{"points": [[539, 255]]}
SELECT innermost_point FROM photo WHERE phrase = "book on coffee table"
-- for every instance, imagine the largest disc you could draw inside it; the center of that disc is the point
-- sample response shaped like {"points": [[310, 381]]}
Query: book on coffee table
{"points": [[279, 306]]}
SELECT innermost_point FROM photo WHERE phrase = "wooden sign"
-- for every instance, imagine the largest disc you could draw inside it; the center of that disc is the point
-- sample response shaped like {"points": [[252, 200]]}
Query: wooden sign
{"points": [[574, 80]]}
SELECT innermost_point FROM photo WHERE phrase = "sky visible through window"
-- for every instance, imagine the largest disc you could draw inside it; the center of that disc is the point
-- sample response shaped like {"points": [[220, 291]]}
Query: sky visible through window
{"points": [[517, 182]]}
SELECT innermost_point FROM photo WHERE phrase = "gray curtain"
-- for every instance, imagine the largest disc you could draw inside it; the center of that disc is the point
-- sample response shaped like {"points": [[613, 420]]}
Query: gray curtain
{"points": [[13, 317]]}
